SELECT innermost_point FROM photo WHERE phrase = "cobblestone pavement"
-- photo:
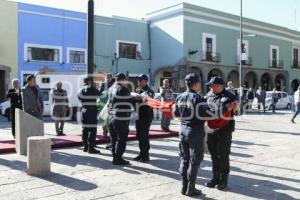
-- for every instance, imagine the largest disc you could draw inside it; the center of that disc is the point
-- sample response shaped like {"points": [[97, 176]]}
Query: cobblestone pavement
{"points": [[265, 164]]}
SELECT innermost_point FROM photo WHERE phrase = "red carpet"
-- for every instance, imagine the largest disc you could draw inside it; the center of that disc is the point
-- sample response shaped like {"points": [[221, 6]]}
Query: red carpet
{"points": [[75, 140]]}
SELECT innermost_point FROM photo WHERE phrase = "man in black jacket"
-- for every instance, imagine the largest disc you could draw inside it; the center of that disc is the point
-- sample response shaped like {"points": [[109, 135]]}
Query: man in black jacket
{"points": [[144, 119], [88, 96], [15, 102], [120, 108]]}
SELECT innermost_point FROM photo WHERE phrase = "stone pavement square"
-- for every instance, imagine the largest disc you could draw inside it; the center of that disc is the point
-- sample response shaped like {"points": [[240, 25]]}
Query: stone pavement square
{"points": [[265, 164]]}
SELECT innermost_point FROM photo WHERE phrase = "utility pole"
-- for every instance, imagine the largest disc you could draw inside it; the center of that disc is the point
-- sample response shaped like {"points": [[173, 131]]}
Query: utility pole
{"points": [[90, 41], [241, 52]]}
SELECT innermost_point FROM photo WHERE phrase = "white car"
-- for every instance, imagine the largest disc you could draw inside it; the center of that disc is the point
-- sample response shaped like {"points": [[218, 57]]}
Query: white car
{"points": [[284, 101], [5, 106], [5, 109]]}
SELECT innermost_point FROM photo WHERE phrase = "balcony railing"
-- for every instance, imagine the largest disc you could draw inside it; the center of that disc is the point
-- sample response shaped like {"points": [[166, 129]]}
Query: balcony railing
{"points": [[296, 64], [210, 57], [248, 61], [276, 64]]}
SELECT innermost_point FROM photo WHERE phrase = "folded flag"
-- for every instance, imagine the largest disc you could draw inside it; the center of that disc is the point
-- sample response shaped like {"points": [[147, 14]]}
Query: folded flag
{"points": [[164, 107]]}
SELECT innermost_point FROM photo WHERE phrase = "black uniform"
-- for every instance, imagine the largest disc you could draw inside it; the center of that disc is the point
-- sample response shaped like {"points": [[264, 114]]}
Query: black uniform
{"points": [[143, 123], [189, 108], [88, 96], [119, 116], [15, 102], [219, 140]]}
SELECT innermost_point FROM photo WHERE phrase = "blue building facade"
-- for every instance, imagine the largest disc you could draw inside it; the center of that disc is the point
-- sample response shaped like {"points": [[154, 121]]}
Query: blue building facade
{"points": [[51, 40]]}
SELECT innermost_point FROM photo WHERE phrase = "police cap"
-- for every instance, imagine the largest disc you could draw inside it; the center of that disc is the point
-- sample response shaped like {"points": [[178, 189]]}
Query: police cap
{"points": [[216, 80]]}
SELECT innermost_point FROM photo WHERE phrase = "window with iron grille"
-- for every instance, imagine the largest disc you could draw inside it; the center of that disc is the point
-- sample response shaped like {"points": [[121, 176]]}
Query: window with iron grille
{"points": [[128, 50], [76, 57], [43, 54]]}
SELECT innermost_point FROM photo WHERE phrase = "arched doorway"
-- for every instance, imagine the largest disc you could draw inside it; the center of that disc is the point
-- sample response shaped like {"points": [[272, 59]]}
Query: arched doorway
{"points": [[295, 84], [234, 77], [266, 81], [250, 80], [280, 82], [214, 72]]}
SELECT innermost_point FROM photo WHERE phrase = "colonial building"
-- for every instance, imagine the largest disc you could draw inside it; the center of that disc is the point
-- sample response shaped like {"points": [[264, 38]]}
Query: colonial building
{"points": [[8, 45], [122, 45], [188, 38], [169, 43]]}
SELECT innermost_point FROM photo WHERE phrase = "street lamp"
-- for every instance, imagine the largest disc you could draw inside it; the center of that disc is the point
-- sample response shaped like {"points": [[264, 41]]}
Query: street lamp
{"points": [[90, 40]]}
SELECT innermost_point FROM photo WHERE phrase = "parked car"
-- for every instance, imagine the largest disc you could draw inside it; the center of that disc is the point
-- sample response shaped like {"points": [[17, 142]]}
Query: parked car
{"points": [[284, 101], [5, 109]]}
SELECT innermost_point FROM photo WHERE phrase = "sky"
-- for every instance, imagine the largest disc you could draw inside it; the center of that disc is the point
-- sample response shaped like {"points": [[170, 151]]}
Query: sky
{"points": [[284, 13]]}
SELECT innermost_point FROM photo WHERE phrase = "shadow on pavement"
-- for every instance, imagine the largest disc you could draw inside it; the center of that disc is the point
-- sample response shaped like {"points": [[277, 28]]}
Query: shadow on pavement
{"points": [[167, 166], [73, 160], [272, 132], [60, 179], [243, 143]]}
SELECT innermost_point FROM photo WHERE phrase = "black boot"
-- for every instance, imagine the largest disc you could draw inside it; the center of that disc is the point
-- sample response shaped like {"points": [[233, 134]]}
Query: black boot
{"points": [[138, 158], [192, 191], [223, 182], [184, 187], [92, 150], [145, 158], [120, 161], [85, 149], [214, 181]]}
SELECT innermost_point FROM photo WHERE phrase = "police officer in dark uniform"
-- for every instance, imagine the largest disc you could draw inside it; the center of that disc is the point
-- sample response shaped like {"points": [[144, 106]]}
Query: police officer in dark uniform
{"points": [[145, 117], [120, 108], [88, 96], [191, 109], [15, 102], [219, 139]]}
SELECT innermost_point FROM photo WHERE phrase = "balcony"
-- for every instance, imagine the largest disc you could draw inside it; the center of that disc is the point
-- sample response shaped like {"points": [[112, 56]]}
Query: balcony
{"points": [[296, 64], [277, 64], [210, 57], [246, 60]]}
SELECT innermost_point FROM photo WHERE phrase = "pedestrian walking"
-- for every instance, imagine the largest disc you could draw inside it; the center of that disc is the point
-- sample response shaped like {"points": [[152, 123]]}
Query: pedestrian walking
{"points": [[297, 104], [249, 98], [166, 93], [120, 108], [144, 119], [261, 98], [15, 97], [190, 109], [88, 96], [60, 107], [32, 99], [274, 99], [219, 138], [230, 88]]}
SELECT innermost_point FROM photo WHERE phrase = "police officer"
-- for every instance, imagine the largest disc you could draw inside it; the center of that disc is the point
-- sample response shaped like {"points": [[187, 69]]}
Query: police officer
{"points": [[219, 140], [88, 96], [145, 117], [191, 109], [120, 106]]}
